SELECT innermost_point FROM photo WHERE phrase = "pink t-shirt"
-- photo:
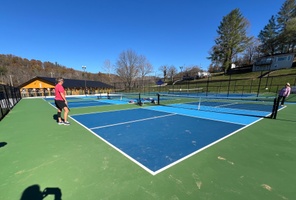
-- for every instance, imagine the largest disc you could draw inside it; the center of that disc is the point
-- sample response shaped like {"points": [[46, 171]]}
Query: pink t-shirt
{"points": [[285, 92], [58, 90]]}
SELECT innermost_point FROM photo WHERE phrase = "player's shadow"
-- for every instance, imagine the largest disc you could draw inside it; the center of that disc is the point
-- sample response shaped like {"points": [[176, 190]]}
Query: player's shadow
{"points": [[286, 120], [33, 192], [55, 117], [2, 144]]}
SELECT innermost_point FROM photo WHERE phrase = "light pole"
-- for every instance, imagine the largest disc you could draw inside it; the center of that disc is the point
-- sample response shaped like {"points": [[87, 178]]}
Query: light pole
{"points": [[84, 68]]}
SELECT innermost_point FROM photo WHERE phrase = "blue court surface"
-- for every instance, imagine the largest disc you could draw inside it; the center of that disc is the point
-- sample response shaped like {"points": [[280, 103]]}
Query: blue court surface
{"points": [[159, 137], [85, 104], [90, 101]]}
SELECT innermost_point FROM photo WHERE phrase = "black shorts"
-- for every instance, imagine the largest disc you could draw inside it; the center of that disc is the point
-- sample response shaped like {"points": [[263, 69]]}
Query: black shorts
{"points": [[60, 104]]}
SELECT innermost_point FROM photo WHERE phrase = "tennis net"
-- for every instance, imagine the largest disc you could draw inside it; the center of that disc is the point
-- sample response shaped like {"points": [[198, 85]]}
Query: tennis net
{"points": [[250, 106], [133, 98]]}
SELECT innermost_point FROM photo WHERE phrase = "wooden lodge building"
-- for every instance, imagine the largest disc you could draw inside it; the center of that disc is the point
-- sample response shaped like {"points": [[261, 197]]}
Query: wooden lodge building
{"points": [[44, 86]]}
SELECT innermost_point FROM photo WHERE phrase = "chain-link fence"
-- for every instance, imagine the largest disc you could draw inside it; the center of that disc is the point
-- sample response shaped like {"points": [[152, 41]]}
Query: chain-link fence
{"points": [[229, 86], [9, 97]]}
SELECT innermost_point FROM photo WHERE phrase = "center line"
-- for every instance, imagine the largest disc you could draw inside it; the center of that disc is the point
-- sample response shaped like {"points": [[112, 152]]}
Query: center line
{"points": [[139, 120]]}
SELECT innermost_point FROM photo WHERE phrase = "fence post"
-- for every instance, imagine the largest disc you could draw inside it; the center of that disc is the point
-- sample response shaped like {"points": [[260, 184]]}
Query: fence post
{"points": [[234, 89], [228, 84], [207, 86], [187, 87], [259, 84], [251, 86]]}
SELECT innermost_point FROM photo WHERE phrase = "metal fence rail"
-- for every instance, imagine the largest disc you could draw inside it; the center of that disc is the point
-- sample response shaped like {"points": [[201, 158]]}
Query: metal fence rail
{"points": [[9, 97]]}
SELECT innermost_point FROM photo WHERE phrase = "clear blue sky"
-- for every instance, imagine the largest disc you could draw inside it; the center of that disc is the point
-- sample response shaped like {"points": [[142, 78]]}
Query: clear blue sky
{"points": [[88, 32]]}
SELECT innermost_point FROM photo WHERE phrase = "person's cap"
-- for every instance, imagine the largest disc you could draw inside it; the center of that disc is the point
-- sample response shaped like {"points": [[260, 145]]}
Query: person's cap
{"points": [[288, 84]]}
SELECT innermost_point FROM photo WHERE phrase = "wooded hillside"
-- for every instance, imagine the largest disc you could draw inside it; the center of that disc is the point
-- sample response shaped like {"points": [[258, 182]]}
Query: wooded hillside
{"points": [[16, 70]]}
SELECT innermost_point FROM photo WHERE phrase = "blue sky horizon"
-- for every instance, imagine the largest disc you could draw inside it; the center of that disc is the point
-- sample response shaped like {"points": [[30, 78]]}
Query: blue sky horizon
{"points": [[87, 33]]}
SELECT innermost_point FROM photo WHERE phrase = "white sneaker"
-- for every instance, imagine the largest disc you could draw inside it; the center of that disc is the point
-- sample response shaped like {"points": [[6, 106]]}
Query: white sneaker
{"points": [[60, 123], [66, 123]]}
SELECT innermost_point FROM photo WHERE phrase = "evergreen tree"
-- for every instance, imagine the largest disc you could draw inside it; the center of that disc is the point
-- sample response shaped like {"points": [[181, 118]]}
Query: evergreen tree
{"points": [[290, 34], [268, 37], [286, 34], [287, 12], [232, 39]]}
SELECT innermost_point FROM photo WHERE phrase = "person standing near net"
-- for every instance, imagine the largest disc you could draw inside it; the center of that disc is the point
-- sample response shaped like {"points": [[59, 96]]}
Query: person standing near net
{"points": [[61, 102], [283, 94]]}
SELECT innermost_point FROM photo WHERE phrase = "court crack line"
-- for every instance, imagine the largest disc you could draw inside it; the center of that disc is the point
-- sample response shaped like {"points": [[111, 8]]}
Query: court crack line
{"points": [[128, 122]]}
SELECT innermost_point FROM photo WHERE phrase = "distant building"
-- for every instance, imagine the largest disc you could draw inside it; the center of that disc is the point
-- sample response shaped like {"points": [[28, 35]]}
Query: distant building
{"points": [[203, 74], [274, 62], [44, 86]]}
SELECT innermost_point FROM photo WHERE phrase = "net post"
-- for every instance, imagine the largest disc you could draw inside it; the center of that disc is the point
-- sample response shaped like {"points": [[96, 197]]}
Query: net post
{"points": [[277, 103], [139, 100], [158, 97]]}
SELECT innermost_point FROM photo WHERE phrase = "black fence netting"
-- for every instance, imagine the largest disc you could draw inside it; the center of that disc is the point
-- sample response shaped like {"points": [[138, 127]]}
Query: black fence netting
{"points": [[228, 85], [9, 97]]}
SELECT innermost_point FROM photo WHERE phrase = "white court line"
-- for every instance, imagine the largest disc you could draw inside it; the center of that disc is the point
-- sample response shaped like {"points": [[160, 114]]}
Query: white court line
{"points": [[203, 148], [117, 149], [229, 104], [153, 173], [81, 102], [52, 105], [128, 122], [97, 112], [172, 164], [200, 117]]}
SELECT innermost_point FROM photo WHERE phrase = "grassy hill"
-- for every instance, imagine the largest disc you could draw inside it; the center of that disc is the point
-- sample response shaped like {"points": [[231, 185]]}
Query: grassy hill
{"points": [[261, 83]]}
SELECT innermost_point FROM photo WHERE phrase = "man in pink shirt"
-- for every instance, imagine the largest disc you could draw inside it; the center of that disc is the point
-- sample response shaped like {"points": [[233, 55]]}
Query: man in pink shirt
{"points": [[285, 92], [61, 102]]}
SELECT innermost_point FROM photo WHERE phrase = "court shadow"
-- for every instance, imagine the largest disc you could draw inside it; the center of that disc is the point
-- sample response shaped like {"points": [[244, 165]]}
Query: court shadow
{"points": [[33, 192], [2, 144], [286, 120], [55, 117]]}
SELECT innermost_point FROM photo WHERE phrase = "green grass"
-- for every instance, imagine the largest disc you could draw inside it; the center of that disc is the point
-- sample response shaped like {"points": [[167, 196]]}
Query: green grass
{"points": [[250, 82], [258, 162]]}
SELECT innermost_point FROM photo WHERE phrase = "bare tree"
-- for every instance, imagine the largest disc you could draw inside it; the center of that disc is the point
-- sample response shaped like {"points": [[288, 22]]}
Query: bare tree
{"points": [[108, 67], [145, 68], [172, 71], [192, 71], [251, 52], [163, 69], [127, 67]]}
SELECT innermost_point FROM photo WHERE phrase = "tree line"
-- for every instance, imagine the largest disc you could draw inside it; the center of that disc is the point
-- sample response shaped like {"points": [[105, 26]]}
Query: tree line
{"points": [[234, 46], [15, 70]]}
